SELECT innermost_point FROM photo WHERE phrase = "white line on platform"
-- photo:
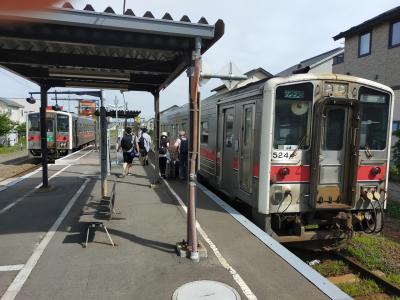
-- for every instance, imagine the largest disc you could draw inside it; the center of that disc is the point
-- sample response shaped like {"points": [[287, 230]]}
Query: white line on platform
{"points": [[10, 268], [4, 209], [24, 273], [239, 280], [83, 155]]}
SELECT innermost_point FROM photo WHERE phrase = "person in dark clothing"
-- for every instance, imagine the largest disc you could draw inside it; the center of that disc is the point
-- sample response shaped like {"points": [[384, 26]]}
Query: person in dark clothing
{"points": [[182, 145], [163, 153], [128, 145]]}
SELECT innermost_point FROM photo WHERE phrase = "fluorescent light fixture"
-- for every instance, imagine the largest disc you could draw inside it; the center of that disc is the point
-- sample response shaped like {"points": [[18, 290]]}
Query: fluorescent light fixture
{"points": [[85, 74]]}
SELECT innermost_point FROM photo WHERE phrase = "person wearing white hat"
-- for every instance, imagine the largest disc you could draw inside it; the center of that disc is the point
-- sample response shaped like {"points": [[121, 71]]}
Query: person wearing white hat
{"points": [[163, 153]]}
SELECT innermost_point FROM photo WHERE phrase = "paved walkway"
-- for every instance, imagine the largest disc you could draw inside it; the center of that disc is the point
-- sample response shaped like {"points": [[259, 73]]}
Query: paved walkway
{"points": [[144, 264]]}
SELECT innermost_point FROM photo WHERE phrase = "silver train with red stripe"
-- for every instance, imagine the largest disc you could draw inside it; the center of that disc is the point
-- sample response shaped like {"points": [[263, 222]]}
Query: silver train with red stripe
{"points": [[66, 132], [309, 154]]}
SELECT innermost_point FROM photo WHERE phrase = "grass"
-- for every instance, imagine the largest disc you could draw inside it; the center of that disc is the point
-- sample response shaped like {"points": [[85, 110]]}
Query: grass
{"points": [[361, 288], [394, 278], [11, 149], [330, 268], [376, 253], [393, 209]]}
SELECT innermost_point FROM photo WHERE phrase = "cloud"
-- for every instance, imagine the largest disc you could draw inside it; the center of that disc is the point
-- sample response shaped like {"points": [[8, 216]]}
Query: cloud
{"points": [[258, 33]]}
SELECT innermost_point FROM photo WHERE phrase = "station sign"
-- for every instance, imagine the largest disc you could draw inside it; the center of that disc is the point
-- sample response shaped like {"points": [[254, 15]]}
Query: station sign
{"points": [[87, 107]]}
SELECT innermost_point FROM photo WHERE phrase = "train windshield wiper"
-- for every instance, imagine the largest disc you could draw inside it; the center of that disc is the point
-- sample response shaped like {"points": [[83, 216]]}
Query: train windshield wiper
{"points": [[299, 144], [368, 151]]}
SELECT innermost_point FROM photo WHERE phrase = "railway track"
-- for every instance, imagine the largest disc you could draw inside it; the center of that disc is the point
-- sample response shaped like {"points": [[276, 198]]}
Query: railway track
{"points": [[388, 287], [350, 272]]}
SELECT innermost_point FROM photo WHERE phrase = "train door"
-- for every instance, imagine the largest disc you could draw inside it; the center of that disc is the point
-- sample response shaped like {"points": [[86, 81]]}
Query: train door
{"points": [[246, 148], [333, 154], [50, 127], [228, 148]]}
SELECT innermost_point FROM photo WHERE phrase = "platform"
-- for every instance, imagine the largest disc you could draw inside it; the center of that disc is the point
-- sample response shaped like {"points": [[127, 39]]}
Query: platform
{"points": [[42, 255]]}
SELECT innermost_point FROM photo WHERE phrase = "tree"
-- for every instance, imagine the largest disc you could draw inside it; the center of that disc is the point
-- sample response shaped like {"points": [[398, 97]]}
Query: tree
{"points": [[21, 128], [6, 125], [396, 150]]}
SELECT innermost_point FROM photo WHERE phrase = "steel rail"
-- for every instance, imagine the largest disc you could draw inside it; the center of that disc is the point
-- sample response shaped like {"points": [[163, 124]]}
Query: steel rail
{"points": [[390, 287]]}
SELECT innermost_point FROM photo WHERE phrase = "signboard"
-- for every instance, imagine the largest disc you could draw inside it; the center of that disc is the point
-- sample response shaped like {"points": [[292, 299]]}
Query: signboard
{"points": [[87, 107]]}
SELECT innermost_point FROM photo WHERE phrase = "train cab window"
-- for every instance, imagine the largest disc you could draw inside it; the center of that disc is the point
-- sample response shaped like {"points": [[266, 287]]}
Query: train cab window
{"points": [[374, 119], [62, 123], [204, 133], [34, 122], [293, 116]]}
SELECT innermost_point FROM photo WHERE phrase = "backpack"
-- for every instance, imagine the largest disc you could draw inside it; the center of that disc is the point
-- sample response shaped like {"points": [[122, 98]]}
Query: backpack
{"points": [[141, 142], [163, 146], [126, 142], [184, 147]]}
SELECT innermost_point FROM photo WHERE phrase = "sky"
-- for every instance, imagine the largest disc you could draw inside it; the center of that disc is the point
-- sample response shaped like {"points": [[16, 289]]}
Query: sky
{"points": [[273, 35]]}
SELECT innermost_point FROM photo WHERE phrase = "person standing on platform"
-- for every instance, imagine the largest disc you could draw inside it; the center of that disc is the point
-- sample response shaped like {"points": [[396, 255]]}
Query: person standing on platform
{"points": [[182, 145], [163, 153], [144, 143], [129, 147]]}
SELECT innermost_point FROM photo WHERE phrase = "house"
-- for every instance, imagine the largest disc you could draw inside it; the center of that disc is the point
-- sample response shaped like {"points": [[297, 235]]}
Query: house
{"points": [[372, 51], [252, 76], [321, 64], [14, 110]]}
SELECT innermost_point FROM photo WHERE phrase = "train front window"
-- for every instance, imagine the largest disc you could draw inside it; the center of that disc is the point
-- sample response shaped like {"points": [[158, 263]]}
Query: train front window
{"points": [[34, 123], [374, 119], [293, 116], [62, 123]]}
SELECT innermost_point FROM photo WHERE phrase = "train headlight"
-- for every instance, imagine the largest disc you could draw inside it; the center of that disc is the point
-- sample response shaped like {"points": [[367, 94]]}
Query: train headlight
{"points": [[342, 89], [375, 171], [328, 88]]}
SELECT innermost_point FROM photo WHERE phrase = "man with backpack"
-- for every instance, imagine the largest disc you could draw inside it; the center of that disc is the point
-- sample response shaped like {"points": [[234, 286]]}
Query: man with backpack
{"points": [[129, 147], [144, 144], [182, 144]]}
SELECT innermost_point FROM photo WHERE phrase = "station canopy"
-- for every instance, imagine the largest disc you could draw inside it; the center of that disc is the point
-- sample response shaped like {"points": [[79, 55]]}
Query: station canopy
{"points": [[66, 47]]}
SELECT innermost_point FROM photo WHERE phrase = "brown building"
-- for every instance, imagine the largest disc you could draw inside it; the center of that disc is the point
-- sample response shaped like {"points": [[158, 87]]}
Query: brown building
{"points": [[372, 51]]}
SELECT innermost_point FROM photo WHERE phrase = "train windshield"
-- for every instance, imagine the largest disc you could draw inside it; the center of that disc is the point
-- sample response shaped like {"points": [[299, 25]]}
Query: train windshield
{"points": [[374, 119], [62, 123], [293, 116], [34, 122]]}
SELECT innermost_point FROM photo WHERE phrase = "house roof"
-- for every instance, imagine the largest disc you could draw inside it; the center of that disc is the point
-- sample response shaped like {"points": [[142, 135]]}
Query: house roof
{"points": [[11, 103], [249, 74], [309, 62], [383, 17], [68, 47]]}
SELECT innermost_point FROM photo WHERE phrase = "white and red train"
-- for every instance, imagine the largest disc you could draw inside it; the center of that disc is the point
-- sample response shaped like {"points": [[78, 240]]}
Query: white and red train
{"points": [[308, 153], [66, 132]]}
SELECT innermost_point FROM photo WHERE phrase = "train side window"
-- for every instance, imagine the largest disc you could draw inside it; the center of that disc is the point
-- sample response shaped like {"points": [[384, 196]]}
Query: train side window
{"points": [[204, 133], [229, 118], [248, 126]]}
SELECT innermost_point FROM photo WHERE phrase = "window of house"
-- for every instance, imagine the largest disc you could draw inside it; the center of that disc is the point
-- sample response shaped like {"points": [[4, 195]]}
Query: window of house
{"points": [[394, 38], [364, 44], [204, 133], [338, 59]]}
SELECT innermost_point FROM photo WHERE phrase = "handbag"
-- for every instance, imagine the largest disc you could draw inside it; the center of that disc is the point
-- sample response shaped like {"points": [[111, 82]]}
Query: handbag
{"points": [[133, 154]]}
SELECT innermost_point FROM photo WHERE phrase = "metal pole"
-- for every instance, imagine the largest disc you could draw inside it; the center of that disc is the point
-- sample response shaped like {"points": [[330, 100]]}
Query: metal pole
{"points": [[157, 135], [103, 148], [43, 133], [193, 149]]}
